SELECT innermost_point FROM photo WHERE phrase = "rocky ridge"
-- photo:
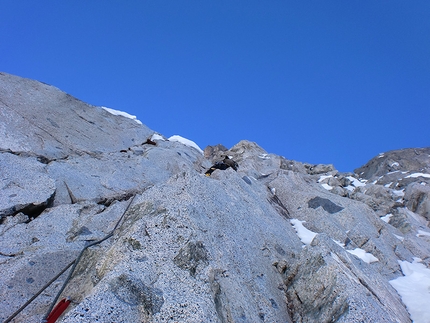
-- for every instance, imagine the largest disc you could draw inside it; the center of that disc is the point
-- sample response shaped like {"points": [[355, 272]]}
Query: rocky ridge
{"points": [[189, 248]]}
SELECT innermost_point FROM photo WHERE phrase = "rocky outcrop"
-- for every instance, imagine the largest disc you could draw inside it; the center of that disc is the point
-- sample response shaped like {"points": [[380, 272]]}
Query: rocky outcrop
{"points": [[276, 241]]}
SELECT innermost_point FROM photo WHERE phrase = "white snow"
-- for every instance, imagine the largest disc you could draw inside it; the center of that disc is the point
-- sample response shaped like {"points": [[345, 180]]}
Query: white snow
{"points": [[414, 289], [415, 175], [360, 253], [327, 187], [394, 164], [185, 141], [399, 237], [422, 233], [264, 156], [355, 181], [363, 255], [400, 193], [121, 113], [350, 188], [388, 185], [339, 243], [305, 235], [386, 218], [323, 177], [157, 136]]}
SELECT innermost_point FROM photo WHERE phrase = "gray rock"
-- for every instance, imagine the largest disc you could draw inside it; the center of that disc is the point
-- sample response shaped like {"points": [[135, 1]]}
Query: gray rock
{"points": [[319, 169], [417, 199], [413, 159], [25, 186], [40, 119], [192, 248]]}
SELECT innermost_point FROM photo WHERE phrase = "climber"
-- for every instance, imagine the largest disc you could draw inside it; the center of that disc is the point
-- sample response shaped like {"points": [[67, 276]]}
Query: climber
{"points": [[223, 165]]}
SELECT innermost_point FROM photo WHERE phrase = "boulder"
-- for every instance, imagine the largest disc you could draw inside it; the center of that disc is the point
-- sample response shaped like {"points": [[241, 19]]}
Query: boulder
{"points": [[417, 199]]}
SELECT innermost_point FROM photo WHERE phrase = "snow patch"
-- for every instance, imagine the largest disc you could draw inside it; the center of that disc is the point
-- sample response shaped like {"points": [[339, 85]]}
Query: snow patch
{"points": [[386, 218], [156, 136], [323, 177], [399, 237], [422, 233], [363, 255], [327, 187], [339, 243], [264, 156], [355, 181], [185, 142], [414, 289], [360, 253], [121, 113], [415, 175], [305, 235], [399, 193]]}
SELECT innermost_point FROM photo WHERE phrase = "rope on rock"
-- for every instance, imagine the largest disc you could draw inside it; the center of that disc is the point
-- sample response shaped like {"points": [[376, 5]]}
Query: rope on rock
{"points": [[74, 263], [10, 318]]}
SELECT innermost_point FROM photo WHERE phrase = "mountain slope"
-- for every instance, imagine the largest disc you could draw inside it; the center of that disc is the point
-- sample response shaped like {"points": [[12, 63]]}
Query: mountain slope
{"points": [[276, 241]]}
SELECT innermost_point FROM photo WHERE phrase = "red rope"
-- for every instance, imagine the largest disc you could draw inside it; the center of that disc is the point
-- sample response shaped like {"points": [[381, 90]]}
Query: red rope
{"points": [[58, 310]]}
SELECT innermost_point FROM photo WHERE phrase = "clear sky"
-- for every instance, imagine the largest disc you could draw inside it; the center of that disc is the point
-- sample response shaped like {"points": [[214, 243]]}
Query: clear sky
{"points": [[314, 81]]}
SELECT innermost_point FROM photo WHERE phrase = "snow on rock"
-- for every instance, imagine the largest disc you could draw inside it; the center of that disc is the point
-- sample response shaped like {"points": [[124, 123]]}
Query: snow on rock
{"points": [[399, 237], [157, 136], [327, 187], [422, 233], [185, 141], [121, 113], [414, 289], [363, 255], [355, 181], [399, 193], [264, 156], [323, 177], [386, 218], [415, 175], [305, 235]]}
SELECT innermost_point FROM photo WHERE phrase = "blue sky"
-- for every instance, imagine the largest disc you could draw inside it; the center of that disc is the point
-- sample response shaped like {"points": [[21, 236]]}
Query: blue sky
{"points": [[314, 81]]}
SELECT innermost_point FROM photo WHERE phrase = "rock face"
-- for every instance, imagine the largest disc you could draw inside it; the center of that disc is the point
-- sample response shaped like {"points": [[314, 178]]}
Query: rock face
{"points": [[183, 247]]}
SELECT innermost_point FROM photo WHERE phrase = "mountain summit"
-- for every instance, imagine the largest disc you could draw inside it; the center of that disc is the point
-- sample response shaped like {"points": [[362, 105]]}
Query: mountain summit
{"points": [[98, 210]]}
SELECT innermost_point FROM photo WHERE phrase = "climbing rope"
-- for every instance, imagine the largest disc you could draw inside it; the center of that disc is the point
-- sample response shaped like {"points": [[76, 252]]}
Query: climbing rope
{"points": [[38, 293], [74, 263]]}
